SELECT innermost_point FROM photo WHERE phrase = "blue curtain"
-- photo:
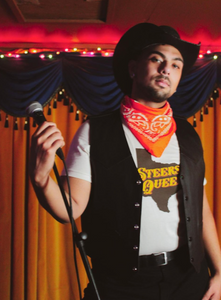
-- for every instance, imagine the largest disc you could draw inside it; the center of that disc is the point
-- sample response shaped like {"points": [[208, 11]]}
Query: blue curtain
{"points": [[90, 82]]}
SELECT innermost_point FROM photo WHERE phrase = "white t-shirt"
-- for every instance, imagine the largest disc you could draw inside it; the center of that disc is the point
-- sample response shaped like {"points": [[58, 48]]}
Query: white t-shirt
{"points": [[161, 228]]}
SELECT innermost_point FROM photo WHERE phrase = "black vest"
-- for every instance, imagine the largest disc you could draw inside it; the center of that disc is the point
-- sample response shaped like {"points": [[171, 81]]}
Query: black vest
{"points": [[112, 217]]}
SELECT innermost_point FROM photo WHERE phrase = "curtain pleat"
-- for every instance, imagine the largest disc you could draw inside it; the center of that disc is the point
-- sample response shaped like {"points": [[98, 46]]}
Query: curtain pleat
{"points": [[6, 164], [36, 251], [18, 212]]}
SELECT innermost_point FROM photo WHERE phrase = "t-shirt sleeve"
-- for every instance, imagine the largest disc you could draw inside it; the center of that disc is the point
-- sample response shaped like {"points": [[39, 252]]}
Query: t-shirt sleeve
{"points": [[78, 158]]}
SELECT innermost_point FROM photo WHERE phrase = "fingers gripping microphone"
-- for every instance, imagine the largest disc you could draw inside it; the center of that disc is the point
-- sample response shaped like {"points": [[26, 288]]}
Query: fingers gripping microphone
{"points": [[35, 110]]}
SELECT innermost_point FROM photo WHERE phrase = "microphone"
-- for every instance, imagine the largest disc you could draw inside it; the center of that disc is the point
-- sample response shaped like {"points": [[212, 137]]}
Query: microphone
{"points": [[35, 110]]}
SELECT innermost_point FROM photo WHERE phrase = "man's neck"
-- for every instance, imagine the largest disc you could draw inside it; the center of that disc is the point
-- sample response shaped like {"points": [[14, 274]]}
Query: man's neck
{"points": [[151, 103]]}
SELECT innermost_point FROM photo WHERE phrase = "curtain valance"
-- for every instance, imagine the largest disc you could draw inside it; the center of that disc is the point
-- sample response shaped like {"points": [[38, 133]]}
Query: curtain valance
{"points": [[90, 82]]}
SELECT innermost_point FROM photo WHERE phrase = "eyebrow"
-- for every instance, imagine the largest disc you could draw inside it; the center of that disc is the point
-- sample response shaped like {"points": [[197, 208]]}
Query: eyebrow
{"points": [[164, 57]]}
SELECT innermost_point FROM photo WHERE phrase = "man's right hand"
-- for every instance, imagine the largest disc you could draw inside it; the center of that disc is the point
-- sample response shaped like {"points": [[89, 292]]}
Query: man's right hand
{"points": [[45, 141]]}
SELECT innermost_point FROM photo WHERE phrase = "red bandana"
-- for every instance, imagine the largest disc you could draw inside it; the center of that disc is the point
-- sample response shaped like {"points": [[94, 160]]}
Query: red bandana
{"points": [[153, 127]]}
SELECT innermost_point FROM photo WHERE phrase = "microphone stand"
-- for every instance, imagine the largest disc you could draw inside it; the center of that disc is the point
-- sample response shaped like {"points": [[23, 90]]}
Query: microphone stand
{"points": [[78, 238]]}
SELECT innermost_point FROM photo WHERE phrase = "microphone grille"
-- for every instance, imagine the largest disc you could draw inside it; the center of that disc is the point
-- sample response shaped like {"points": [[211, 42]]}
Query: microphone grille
{"points": [[33, 107]]}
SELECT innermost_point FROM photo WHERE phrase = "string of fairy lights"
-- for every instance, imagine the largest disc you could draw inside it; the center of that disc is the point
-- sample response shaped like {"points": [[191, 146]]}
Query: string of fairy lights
{"points": [[62, 96], [51, 53]]}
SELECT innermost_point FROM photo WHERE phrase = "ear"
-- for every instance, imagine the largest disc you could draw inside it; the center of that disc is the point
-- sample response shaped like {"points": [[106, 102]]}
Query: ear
{"points": [[132, 68]]}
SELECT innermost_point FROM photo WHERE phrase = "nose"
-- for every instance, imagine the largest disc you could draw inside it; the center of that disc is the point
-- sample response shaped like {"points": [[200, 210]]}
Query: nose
{"points": [[164, 68]]}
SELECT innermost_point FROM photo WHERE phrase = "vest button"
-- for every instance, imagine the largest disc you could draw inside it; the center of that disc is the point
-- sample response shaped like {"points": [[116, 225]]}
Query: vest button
{"points": [[136, 227], [186, 198], [190, 239], [192, 259], [188, 219], [137, 204], [134, 269], [138, 182], [135, 247], [182, 176]]}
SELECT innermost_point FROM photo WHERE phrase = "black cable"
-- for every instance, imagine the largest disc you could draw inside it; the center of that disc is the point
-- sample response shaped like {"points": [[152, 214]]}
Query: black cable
{"points": [[72, 225], [69, 210], [77, 238]]}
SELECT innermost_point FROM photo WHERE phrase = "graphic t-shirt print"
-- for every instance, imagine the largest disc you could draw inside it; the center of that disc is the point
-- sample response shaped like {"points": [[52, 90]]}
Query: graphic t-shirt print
{"points": [[160, 181]]}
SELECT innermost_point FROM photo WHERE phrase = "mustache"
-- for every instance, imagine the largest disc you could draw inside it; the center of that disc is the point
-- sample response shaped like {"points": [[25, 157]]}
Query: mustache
{"points": [[159, 77]]}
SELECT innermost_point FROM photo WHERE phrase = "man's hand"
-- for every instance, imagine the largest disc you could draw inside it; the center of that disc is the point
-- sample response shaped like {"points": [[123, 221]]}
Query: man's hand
{"points": [[45, 141], [214, 291]]}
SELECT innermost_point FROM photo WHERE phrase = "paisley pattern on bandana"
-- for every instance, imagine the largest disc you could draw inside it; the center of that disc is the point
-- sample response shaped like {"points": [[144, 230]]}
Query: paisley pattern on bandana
{"points": [[152, 127]]}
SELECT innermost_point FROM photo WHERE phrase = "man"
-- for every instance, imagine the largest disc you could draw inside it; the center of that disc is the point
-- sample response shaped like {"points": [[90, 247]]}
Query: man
{"points": [[137, 178]]}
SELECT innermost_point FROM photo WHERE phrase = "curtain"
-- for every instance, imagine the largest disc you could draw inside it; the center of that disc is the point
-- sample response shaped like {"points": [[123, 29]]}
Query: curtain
{"points": [[90, 83], [36, 251]]}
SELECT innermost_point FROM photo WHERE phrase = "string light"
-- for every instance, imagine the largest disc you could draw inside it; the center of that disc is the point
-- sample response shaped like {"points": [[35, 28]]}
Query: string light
{"points": [[55, 103], [6, 121], [71, 108], [215, 94], [15, 124], [66, 101], [194, 121], [89, 51], [201, 115], [26, 124], [33, 50], [49, 109], [43, 52], [77, 116], [60, 96]]}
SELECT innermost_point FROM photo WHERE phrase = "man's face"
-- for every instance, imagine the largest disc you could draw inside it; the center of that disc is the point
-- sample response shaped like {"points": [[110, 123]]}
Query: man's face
{"points": [[157, 72]]}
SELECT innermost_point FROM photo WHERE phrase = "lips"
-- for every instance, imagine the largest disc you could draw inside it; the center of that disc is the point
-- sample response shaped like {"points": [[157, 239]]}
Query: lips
{"points": [[162, 81]]}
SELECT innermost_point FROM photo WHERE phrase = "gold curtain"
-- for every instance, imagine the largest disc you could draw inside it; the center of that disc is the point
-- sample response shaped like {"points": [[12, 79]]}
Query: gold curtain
{"points": [[36, 255]]}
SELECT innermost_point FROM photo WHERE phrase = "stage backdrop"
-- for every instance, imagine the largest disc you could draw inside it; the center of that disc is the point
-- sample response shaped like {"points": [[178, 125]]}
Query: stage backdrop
{"points": [[36, 251]]}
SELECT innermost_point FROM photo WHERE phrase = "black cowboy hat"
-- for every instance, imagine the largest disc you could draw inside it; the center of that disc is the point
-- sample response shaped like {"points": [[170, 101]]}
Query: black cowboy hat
{"points": [[142, 36]]}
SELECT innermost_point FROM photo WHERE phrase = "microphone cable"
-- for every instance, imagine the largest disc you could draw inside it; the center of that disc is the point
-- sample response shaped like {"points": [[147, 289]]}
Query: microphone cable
{"points": [[69, 208]]}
